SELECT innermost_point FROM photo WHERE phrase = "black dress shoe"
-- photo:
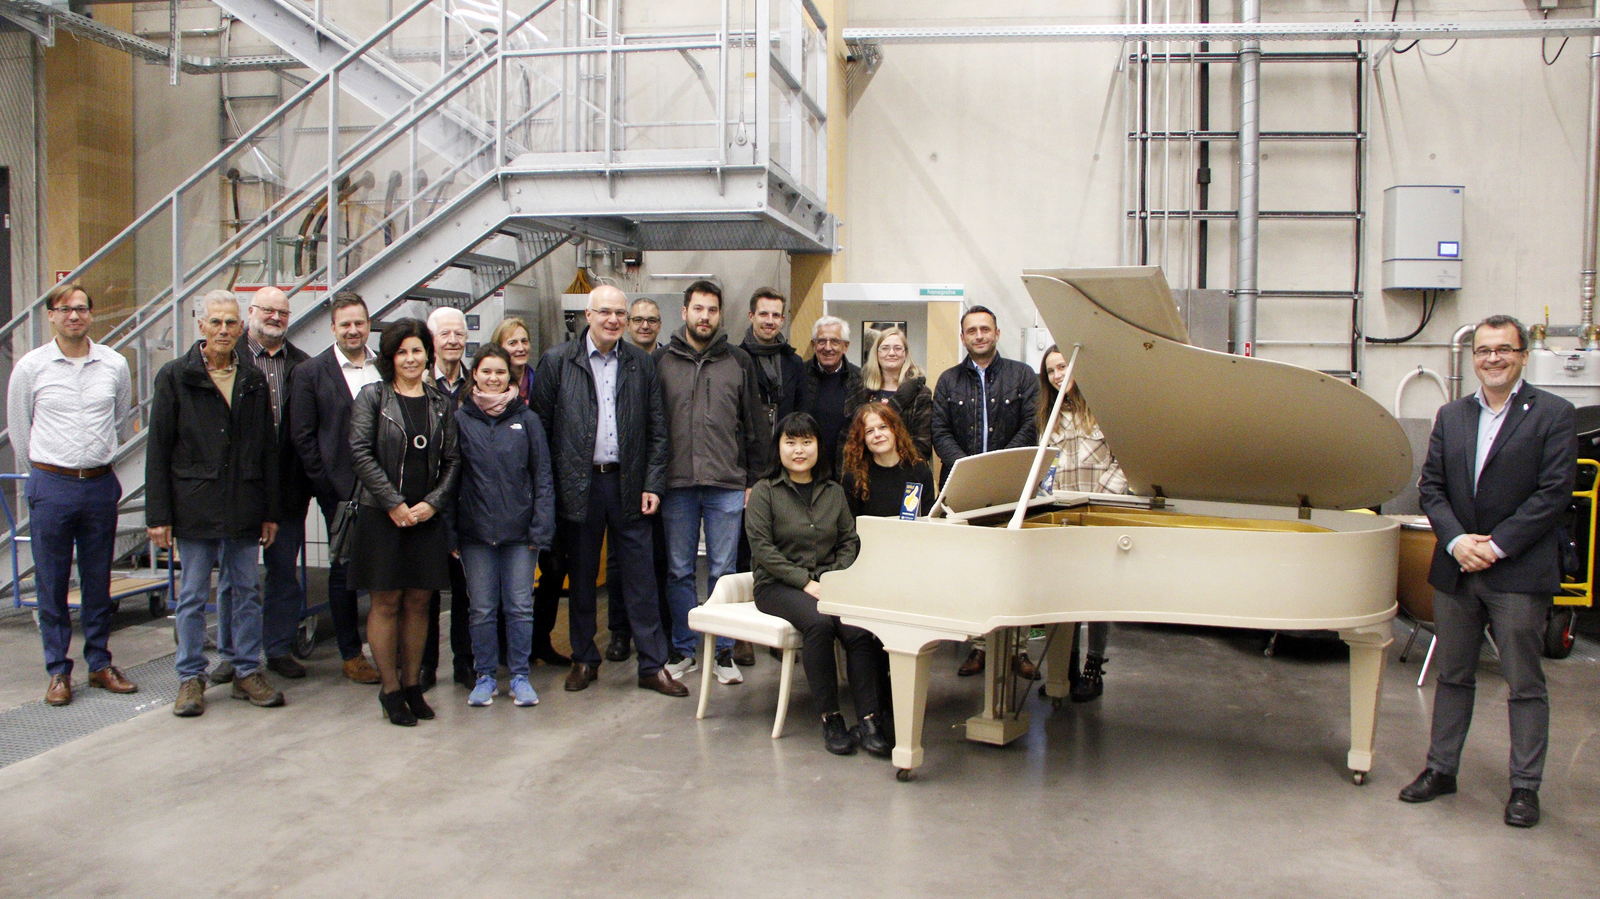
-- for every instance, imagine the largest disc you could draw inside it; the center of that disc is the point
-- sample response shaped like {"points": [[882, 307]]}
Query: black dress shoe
{"points": [[1522, 810], [416, 703], [835, 736], [869, 734], [394, 707], [1429, 785], [427, 680], [581, 677], [663, 683], [550, 657], [620, 648], [286, 666], [466, 677]]}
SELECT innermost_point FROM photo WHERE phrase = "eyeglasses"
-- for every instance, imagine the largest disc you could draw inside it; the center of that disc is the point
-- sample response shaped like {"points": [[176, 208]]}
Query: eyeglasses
{"points": [[892, 350], [828, 341], [1484, 352], [270, 312], [71, 310], [610, 313], [644, 320]]}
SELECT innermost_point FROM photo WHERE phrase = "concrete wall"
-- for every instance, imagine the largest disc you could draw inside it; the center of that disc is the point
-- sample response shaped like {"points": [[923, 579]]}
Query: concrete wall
{"points": [[969, 163], [19, 152]]}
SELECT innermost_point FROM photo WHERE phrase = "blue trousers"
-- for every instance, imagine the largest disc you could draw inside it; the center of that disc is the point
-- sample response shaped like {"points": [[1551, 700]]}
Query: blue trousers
{"points": [[499, 582], [683, 511], [64, 512], [237, 558], [282, 599], [632, 548]]}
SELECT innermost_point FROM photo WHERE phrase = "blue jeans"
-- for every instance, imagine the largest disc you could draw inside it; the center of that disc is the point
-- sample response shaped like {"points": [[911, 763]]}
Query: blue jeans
{"points": [[500, 577], [282, 599], [683, 511], [237, 558], [63, 512]]}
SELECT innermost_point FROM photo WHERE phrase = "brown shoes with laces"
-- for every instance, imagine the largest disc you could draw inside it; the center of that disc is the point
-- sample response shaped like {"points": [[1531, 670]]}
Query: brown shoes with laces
{"points": [[111, 680], [361, 671], [258, 690], [191, 702], [60, 690]]}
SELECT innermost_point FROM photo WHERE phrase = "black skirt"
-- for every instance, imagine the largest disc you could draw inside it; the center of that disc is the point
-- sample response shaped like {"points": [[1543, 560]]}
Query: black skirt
{"points": [[386, 557]]}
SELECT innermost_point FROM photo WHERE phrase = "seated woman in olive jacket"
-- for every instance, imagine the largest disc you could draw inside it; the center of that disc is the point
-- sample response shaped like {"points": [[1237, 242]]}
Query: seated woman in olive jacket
{"points": [[800, 527]]}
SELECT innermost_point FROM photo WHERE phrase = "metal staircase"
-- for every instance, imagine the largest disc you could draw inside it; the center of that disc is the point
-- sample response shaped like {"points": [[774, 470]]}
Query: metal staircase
{"points": [[470, 155]]}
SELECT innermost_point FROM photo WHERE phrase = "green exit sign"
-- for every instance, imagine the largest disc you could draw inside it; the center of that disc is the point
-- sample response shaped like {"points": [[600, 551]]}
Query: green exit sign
{"points": [[941, 292]]}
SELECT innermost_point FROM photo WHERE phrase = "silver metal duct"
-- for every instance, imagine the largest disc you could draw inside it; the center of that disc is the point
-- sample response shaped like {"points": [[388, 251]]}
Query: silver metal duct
{"points": [[1460, 342], [1179, 32], [1248, 226], [1591, 196]]}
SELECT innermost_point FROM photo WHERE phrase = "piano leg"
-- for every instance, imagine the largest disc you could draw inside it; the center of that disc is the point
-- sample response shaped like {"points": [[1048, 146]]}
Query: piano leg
{"points": [[998, 724], [1060, 662], [1368, 647], [908, 677]]}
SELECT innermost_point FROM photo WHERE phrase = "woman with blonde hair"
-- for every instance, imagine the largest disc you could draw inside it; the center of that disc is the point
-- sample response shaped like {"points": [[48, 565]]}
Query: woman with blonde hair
{"points": [[512, 335], [890, 377], [1083, 463]]}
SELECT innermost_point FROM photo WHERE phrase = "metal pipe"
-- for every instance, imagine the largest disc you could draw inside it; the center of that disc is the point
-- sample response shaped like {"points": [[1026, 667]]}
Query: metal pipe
{"points": [[1247, 232], [1458, 342], [1143, 234], [1202, 174], [1591, 194]]}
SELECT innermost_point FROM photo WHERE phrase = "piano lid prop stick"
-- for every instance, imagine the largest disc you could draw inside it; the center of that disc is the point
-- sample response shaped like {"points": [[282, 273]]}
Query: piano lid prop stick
{"points": [[1032, 483]]}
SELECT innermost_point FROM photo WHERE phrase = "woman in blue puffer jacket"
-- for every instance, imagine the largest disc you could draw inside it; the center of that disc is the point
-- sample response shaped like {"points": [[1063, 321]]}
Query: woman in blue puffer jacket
{"points": [[505, 514]]}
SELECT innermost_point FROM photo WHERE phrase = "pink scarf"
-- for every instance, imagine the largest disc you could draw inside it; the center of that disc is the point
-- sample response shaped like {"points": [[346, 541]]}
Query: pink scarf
{"points": [[493, 404]]}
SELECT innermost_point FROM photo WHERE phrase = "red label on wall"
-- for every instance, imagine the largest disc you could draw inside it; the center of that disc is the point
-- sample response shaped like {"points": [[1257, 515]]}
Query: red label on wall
{"points": [[61, 276]]}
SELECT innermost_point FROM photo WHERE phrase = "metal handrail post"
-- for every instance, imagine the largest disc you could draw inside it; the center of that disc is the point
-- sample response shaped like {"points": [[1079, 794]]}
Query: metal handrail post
{"points": [[332, 253]]}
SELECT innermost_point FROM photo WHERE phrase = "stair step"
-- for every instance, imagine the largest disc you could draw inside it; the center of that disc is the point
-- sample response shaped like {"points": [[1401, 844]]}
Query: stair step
{"points": [[438, 295], [478, 260]]}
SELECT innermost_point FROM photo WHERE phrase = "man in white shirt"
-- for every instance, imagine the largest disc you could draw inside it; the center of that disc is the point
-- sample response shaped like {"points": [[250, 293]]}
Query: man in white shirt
{"points": [[68, 406]]}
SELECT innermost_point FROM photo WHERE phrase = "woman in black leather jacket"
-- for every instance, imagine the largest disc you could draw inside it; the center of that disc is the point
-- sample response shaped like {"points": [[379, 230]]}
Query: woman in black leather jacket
{"points": [[403, 445]]}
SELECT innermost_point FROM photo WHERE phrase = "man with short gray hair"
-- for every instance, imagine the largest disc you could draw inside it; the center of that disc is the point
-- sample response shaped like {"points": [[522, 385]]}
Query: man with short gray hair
{"points": [[831, 379], [211, 488]]}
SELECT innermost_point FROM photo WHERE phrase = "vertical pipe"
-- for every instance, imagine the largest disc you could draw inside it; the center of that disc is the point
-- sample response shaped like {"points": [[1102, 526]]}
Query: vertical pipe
{"points": [[1591, 194], [1245, 261], [331, 251], [722, 95], [1358, 304], [1166, 146], [500, 158], [1144, 139], [1202, 175]]}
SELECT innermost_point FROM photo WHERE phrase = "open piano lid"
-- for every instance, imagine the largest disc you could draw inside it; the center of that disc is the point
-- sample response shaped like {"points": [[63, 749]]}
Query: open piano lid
{"points": [[1194, 423]]}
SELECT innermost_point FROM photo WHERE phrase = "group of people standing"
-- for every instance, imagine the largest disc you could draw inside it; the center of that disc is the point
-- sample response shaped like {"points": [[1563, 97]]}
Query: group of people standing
{"points": [[435, 472]]}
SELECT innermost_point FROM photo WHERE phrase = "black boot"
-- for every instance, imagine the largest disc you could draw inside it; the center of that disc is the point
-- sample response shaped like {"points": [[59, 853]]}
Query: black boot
{"points": [[1090, 684], [415, 702], [835, 736], [394, 706], [869, 733]]}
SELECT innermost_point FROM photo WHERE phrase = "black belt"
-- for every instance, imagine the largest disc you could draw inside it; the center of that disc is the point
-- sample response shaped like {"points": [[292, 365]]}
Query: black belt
{"points": [[82, 474], [608, 467]]}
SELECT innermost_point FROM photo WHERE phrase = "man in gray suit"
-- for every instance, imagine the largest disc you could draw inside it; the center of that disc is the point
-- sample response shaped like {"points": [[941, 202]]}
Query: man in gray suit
{"points": [[1499, 474]]}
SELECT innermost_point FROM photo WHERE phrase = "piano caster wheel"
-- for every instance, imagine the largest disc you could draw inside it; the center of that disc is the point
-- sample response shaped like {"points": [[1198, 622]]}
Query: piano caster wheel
{"points": [[1055, 703], [905, 775], [1360, 777]]}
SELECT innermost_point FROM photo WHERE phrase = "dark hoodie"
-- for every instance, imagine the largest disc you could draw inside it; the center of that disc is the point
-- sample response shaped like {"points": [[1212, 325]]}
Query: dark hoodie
{"points": [[506, 494], [780, 376], [717, 428]]}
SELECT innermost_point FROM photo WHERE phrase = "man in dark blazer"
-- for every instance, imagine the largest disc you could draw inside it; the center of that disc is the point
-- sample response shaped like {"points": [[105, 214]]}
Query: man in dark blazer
{"points": [[320, 394], [1500, 471]]}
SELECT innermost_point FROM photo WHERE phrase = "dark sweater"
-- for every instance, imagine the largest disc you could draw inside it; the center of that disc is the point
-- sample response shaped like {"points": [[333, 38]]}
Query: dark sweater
{"points": [[886, 488], [795, 539], [832, 391]]}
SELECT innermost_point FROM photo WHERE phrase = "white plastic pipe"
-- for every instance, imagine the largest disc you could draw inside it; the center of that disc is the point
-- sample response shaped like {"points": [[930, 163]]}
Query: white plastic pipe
{"points": [[1410, 376]]}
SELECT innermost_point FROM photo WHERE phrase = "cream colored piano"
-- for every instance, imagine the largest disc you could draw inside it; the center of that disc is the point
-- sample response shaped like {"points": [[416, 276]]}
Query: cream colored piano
{"points": [[1240, 469]]}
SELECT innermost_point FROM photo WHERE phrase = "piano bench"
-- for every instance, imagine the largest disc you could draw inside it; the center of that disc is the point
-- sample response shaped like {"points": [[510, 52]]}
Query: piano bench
{"points": [[730, 612]]}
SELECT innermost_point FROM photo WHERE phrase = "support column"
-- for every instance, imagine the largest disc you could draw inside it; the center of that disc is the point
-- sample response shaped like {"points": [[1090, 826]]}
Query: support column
{"points": [[809, 271], [1247, 228]]}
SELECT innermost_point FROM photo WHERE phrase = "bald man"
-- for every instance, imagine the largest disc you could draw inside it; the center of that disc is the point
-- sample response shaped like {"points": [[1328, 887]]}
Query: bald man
{"points": [[283, 600], [600, 402]]}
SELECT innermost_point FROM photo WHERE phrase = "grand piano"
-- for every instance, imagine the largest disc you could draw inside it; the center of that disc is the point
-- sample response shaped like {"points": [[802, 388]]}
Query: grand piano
{"points": [[1241, 470]]}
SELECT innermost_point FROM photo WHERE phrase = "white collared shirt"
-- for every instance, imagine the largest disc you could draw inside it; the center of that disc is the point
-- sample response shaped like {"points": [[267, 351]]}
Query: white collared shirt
{"points": [[604, 367], [64, 411], [359, 375], [1489, 424]]}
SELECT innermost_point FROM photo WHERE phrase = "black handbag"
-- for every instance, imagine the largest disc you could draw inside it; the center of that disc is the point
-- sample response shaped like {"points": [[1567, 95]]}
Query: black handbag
{"points": [[341, 532]]}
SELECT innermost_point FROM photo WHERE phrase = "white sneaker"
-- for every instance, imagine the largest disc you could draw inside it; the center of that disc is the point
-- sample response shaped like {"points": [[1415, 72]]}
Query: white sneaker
{"points": [[682, 666], [725, 670]]}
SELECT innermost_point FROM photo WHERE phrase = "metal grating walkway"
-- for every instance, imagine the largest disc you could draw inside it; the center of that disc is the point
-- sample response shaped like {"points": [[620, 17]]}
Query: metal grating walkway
{"points": [[34, 728]]}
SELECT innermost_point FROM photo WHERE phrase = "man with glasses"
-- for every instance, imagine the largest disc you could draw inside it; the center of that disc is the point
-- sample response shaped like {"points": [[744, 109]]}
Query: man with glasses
{"points": [[644, 324], [211, 488], [1498, 477], [831, 379], [69, 403], [283, 597]]}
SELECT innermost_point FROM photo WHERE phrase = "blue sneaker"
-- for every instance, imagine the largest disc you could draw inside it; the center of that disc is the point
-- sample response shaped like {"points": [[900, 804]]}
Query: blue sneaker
{"points": [[522, 692], [483, 692]]}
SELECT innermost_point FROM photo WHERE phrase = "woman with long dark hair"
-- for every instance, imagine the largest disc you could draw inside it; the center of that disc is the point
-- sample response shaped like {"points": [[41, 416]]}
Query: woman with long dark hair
{"points": [[403, 446], [800, 528], [1083, 463], [505, 514]]}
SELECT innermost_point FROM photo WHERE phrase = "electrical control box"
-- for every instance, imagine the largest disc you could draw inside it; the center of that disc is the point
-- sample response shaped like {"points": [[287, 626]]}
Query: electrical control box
{"points": [[1422, 246]]}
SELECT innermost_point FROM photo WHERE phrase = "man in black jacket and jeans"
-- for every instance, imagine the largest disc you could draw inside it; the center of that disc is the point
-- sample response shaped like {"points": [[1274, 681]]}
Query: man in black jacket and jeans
{"points": [[211, 486], [985, 402], [600, 403]]}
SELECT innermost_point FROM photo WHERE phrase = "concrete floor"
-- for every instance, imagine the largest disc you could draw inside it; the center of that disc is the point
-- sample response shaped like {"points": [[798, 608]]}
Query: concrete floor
{"points": [[1206, 770]]}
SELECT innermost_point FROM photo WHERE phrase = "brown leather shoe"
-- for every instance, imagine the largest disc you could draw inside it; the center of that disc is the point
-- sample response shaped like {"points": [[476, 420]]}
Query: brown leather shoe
{"points": [[191, 702], [973, 664], [361, 671], [581, 677], [258, 690], [663, 683], [60, 690], [112, 681], [1024, 667]]}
